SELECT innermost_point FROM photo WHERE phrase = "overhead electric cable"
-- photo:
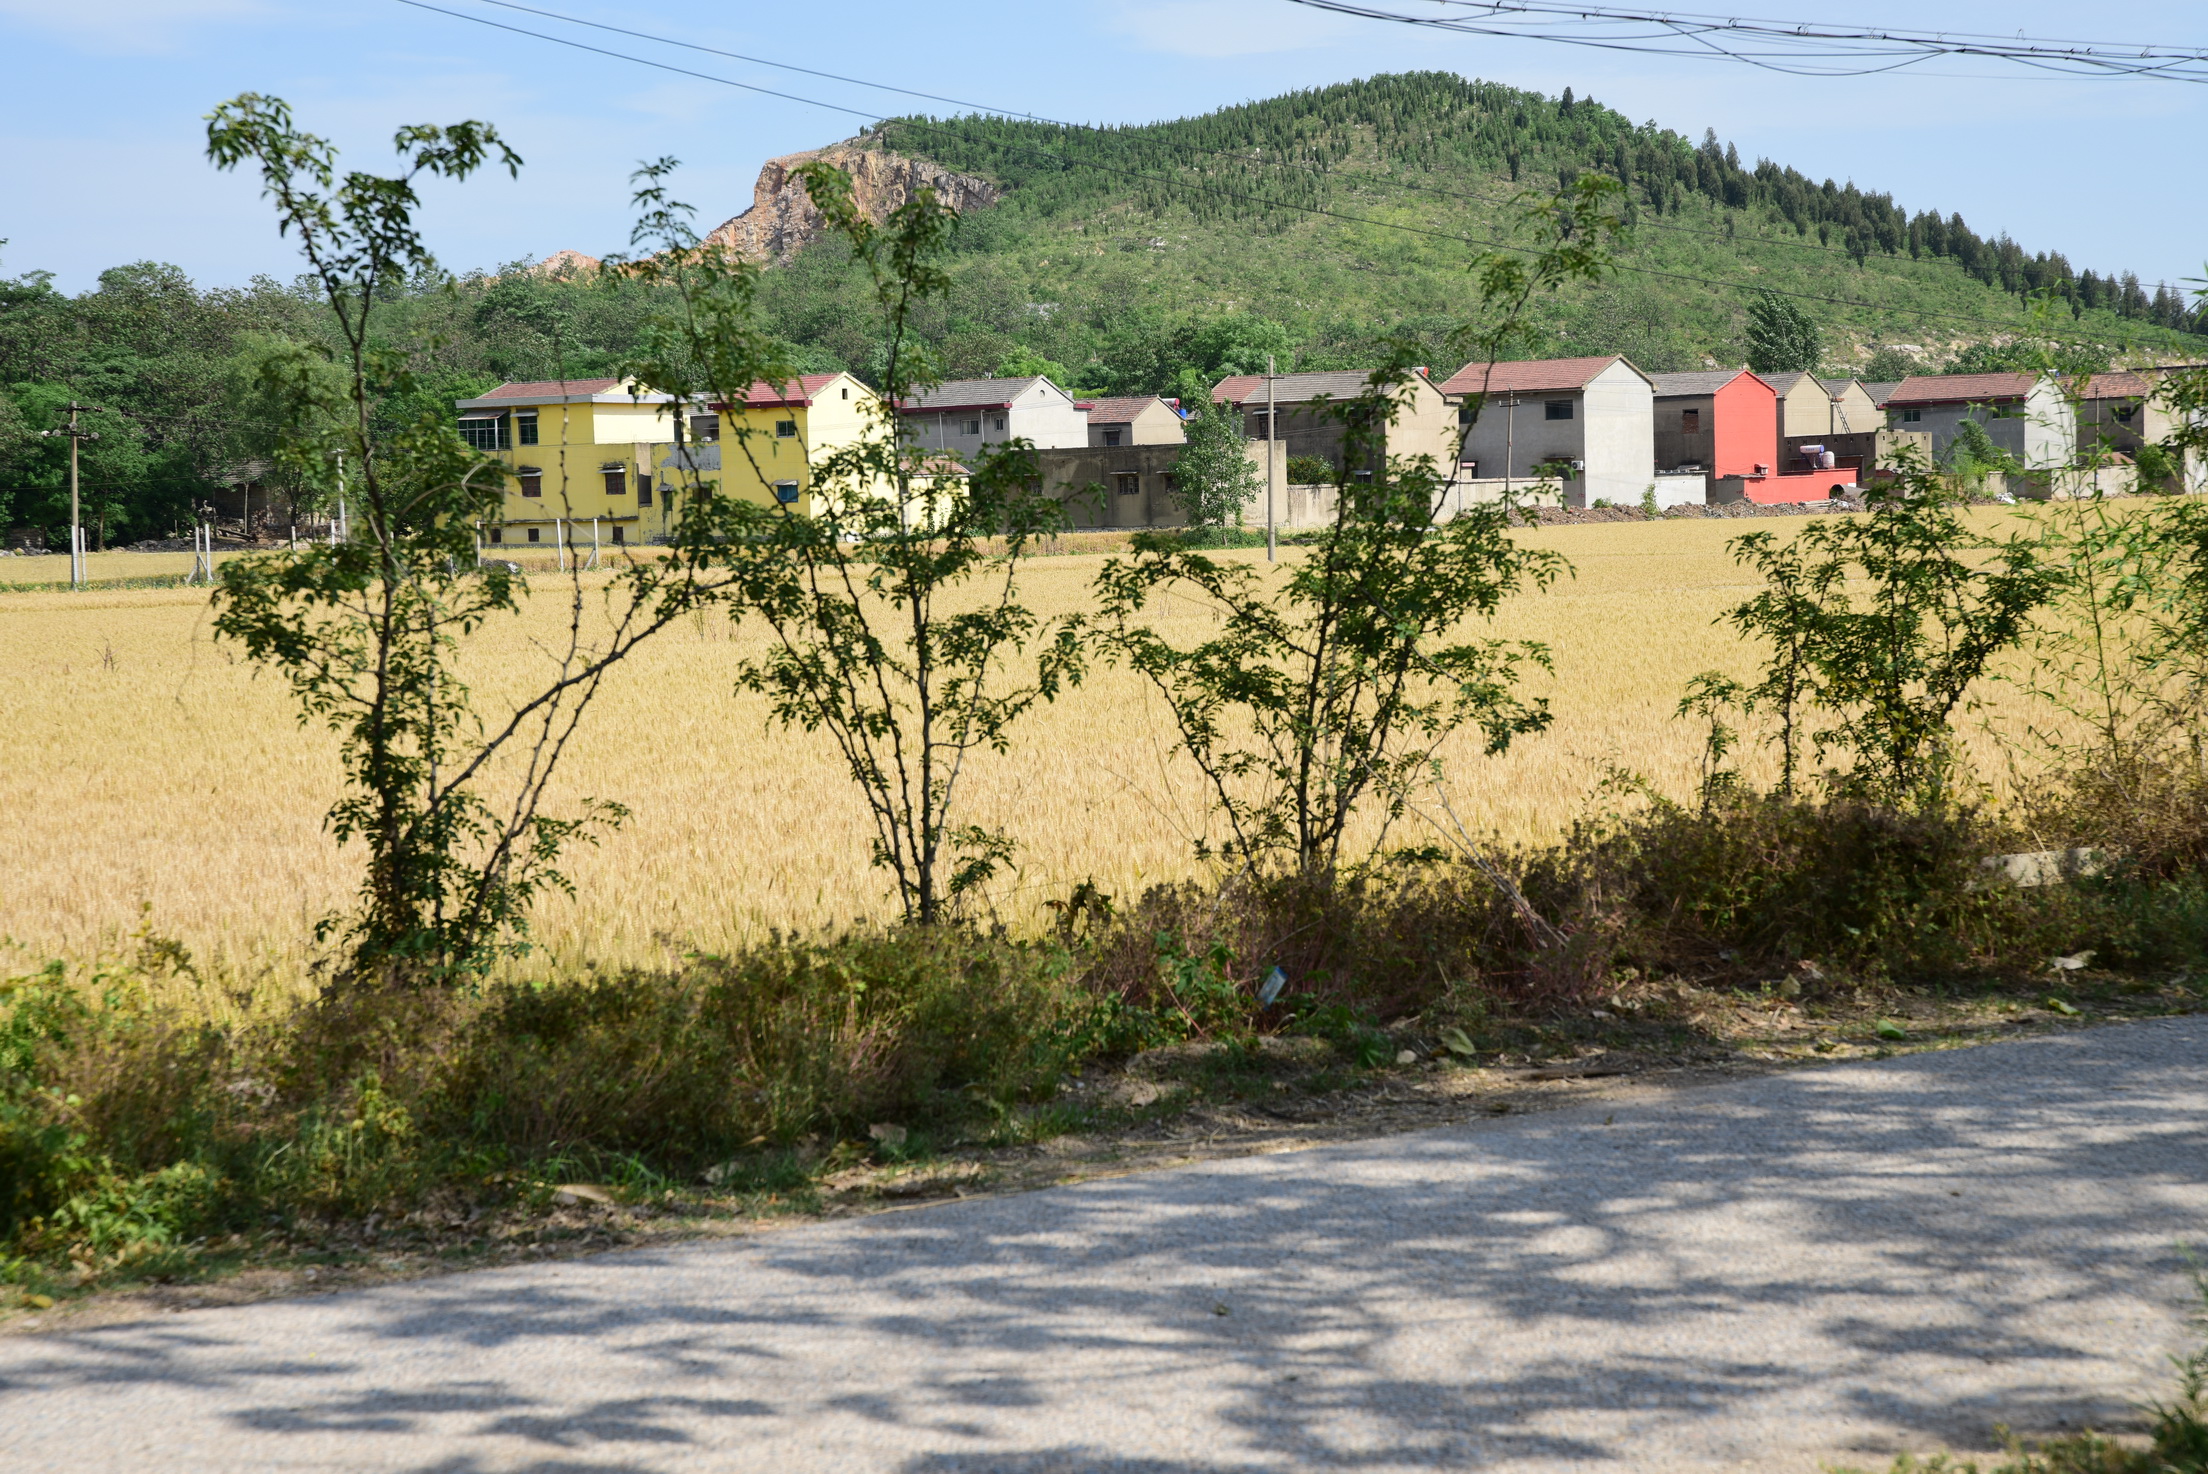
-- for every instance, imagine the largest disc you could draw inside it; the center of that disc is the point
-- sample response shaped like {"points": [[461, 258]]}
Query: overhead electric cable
{"points": [[1212, 189], [1238, 156], [1797, 48]]}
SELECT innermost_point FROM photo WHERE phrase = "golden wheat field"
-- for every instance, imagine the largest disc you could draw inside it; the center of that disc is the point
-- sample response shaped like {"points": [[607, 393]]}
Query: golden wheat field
{"points": [[148, 777]]}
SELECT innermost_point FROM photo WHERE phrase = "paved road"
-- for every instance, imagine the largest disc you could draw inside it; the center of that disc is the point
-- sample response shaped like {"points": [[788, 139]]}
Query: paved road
{"points": [[1833, 1264]]}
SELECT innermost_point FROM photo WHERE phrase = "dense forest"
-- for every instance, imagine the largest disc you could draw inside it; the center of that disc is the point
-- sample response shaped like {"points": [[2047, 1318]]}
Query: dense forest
{"points": [[1307, 228]]}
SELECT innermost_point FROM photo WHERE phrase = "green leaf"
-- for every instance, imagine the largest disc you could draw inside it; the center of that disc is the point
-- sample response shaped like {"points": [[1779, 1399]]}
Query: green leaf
{"points": [[2062, 1008], [1888, 1029]]}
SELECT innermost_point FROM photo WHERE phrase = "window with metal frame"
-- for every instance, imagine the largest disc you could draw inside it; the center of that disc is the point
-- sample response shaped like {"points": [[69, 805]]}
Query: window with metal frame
{"points": [[525, 427], [1556, 409], [1129, 483], [785, 429], [785, 492], [485, 430], [617, 481], [532, 481]]}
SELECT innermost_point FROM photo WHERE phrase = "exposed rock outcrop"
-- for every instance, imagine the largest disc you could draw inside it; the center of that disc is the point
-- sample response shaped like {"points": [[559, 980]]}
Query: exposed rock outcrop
{"points": [[782, 221], [566, 263]]}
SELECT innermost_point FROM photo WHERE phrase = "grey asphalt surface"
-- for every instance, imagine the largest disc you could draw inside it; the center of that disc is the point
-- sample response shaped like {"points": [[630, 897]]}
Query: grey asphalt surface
{"points": [[1828, 1265]]}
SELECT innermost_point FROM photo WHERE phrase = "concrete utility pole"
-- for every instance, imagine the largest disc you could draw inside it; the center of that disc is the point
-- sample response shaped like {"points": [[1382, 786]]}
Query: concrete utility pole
{"points": [[76, 515], [1272, 437]]}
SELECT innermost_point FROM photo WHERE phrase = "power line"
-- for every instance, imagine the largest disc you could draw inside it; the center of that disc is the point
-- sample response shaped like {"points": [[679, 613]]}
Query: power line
{"points": [[1797, 48], [1405, 186], [1240, 196]]}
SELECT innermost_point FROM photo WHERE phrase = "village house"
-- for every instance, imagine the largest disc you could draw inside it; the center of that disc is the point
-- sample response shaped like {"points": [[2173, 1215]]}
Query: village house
{"points": [[964, 416], [579, 457], [1147, 420], [1586, 423], [1723, 422], [2023, 414], [1854, 411], [2118, 415], [1309, 423], [768, 448]]}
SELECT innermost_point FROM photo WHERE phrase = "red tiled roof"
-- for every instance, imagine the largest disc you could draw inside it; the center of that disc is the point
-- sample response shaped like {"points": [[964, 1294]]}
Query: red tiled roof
{"points": [[552, 388], [1249, 389], [796, 394], [2119, 385], [1961, 388], [1120, 411], [1527, 376]]}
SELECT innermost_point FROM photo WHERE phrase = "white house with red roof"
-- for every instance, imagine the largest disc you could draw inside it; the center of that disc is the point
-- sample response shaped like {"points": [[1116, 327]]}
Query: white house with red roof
{"points": [[1587, 423], [962, 416], [2024, 414]]}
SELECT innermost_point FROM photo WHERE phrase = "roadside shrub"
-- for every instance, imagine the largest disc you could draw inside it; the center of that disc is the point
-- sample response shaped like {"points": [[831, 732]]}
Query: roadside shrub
{"points": [[789, 1037]]}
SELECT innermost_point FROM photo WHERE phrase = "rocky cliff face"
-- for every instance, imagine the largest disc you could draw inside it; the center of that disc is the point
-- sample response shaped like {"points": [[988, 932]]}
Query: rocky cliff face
{"points": [[782, 221]]}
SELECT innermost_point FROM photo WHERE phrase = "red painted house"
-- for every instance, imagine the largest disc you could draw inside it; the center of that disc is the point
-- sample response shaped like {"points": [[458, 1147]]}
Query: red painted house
{"points": [[1725, 424]]}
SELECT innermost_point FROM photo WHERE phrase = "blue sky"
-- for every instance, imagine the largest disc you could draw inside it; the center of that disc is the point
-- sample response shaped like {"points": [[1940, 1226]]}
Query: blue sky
{"points": [[100, 144]]}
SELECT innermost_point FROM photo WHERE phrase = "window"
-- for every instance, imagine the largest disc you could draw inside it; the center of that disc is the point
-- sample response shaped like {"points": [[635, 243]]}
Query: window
{"points": [[1257, 427], [484, 429], [1111, 437], [533, 533], [532, 481], [1690, 422], [1129, 483], [997, 423], [643, 491], [785, 492], [618, 530], [617, 483], [498, 534], [785, 429], [1556, 409], [2124, 414], [973, 427], [705, 429], [525, 427], [1911, 416], [847, 391]]}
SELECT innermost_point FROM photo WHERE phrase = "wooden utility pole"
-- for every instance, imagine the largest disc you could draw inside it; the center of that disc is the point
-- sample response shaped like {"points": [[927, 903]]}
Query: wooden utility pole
{"points": [[76, 507]]}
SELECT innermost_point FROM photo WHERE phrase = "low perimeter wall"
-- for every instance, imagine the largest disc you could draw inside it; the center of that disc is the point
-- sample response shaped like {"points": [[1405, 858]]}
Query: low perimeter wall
{"points": [[1770, 491]]}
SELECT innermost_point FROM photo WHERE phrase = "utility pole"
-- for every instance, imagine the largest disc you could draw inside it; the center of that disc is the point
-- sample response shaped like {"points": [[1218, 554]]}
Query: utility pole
{"points": [[76, 513], [1272, 437]]}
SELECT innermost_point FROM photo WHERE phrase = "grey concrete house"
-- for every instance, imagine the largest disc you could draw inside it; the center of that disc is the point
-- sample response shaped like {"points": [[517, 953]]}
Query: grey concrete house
{"points": [[963, 416], [2023, 414], [1588, 423], [1427, 425], [1147, 420]]}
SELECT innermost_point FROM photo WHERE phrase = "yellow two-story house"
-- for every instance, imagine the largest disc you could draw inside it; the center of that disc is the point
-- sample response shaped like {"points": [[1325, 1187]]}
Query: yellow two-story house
{"points": [[768, 448], [580, 456]]}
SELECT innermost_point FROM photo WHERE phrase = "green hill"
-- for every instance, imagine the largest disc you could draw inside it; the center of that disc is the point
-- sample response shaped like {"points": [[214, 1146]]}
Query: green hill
{"points": [[1125, 260], [1314, 224]]}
